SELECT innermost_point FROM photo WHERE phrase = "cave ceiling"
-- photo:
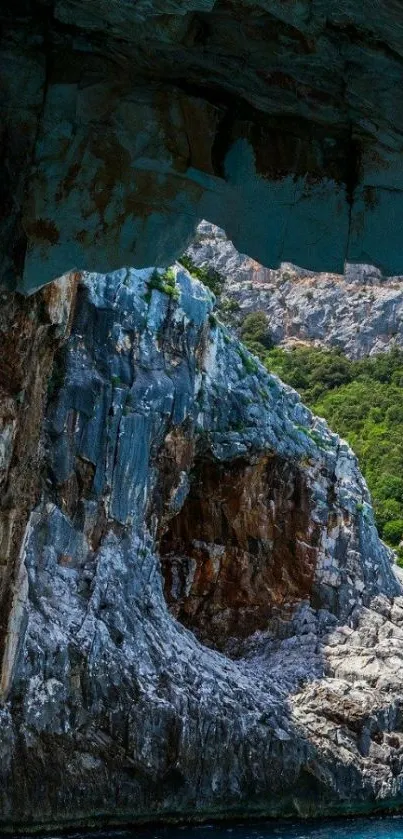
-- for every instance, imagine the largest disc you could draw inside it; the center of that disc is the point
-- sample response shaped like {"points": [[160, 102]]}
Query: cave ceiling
{"points": [[124, 123]]}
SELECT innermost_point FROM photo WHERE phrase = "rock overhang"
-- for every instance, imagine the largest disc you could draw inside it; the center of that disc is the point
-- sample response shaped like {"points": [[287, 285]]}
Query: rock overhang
{"points": [[280, 122]]}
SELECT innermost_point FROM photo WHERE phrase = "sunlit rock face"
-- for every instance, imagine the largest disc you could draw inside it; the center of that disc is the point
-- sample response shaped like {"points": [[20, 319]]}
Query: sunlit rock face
{"points": [[198, 617], [125, 123], [359, 312]]}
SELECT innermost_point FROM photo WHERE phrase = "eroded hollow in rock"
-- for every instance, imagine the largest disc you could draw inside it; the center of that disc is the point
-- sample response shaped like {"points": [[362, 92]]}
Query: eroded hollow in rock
{"points": [[243, 546]]}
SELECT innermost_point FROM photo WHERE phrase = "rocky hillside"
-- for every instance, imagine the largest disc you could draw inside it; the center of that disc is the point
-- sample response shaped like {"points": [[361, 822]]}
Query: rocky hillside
{"points": [[200, 617], [361, 312]]}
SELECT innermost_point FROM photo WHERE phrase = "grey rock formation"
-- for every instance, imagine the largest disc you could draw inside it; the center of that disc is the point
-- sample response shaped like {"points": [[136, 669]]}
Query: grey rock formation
{"points": [[125, 123], [203, 621], [359, 312], [197, 615]]}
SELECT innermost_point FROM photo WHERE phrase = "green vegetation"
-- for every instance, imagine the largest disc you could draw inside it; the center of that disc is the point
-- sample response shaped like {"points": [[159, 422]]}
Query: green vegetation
{"points": [[228, 309], [208, 276], [255, 332], [393, 530], [312, 372], [165, 282], [248, 362], [366, 412], [363, 402]]}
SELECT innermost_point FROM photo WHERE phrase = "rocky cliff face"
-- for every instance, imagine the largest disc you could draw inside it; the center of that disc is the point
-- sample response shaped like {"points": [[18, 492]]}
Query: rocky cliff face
{"points": [[126, 123], [360, 312], [30, 333], [201, 618]]}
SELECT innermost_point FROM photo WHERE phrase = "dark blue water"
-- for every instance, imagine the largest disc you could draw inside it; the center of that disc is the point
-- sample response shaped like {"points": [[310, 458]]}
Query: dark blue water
{"points": [[376, 828]]}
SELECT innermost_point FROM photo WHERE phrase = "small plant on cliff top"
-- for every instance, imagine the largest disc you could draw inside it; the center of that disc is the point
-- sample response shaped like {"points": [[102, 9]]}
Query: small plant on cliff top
{"points": [[166, 283], [207, 275]]}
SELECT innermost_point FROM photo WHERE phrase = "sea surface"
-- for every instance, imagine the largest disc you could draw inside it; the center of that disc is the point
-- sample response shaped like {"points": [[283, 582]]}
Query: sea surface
{"points": [[374, 828]]}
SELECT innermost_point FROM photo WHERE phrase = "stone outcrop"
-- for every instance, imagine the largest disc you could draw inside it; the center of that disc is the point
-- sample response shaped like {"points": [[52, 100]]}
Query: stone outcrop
{"points": [[359, 312], [197, 616], [204, 621], [30, 333], [124, 123]]}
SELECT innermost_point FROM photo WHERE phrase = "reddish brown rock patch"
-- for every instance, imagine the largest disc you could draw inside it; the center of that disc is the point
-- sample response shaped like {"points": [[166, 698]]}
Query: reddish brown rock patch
{"points": [[243, 545], [31, 330]]}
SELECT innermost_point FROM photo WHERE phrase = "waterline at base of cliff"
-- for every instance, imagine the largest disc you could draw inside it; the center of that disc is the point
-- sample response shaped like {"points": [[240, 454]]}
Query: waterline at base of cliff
{"points": [[347, 828]]}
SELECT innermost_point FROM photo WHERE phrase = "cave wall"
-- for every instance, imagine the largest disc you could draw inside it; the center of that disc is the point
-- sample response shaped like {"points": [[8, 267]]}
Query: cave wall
{"points": [[126, 124]]}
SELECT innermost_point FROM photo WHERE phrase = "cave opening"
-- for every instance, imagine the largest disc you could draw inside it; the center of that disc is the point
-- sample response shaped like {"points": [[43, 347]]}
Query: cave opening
{"points": [[242, 549]]}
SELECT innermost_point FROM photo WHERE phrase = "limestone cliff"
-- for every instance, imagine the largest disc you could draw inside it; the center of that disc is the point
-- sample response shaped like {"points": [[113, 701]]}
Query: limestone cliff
{"points": [[201, 619], [125, 123], [359, 312]]}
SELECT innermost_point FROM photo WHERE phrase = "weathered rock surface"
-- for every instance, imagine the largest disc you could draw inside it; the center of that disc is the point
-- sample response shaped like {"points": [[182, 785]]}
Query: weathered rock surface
{"points": [[179, 479], [30, 333], [359, 312], [198, 617], [124, 123]]}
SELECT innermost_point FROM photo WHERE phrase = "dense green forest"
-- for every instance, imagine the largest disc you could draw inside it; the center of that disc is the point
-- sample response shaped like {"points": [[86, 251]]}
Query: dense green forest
{"points": [[361, 400]]}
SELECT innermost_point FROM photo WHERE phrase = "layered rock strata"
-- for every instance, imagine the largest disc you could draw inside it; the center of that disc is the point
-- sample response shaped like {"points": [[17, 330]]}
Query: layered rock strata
{"points": [[204, 622]]}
